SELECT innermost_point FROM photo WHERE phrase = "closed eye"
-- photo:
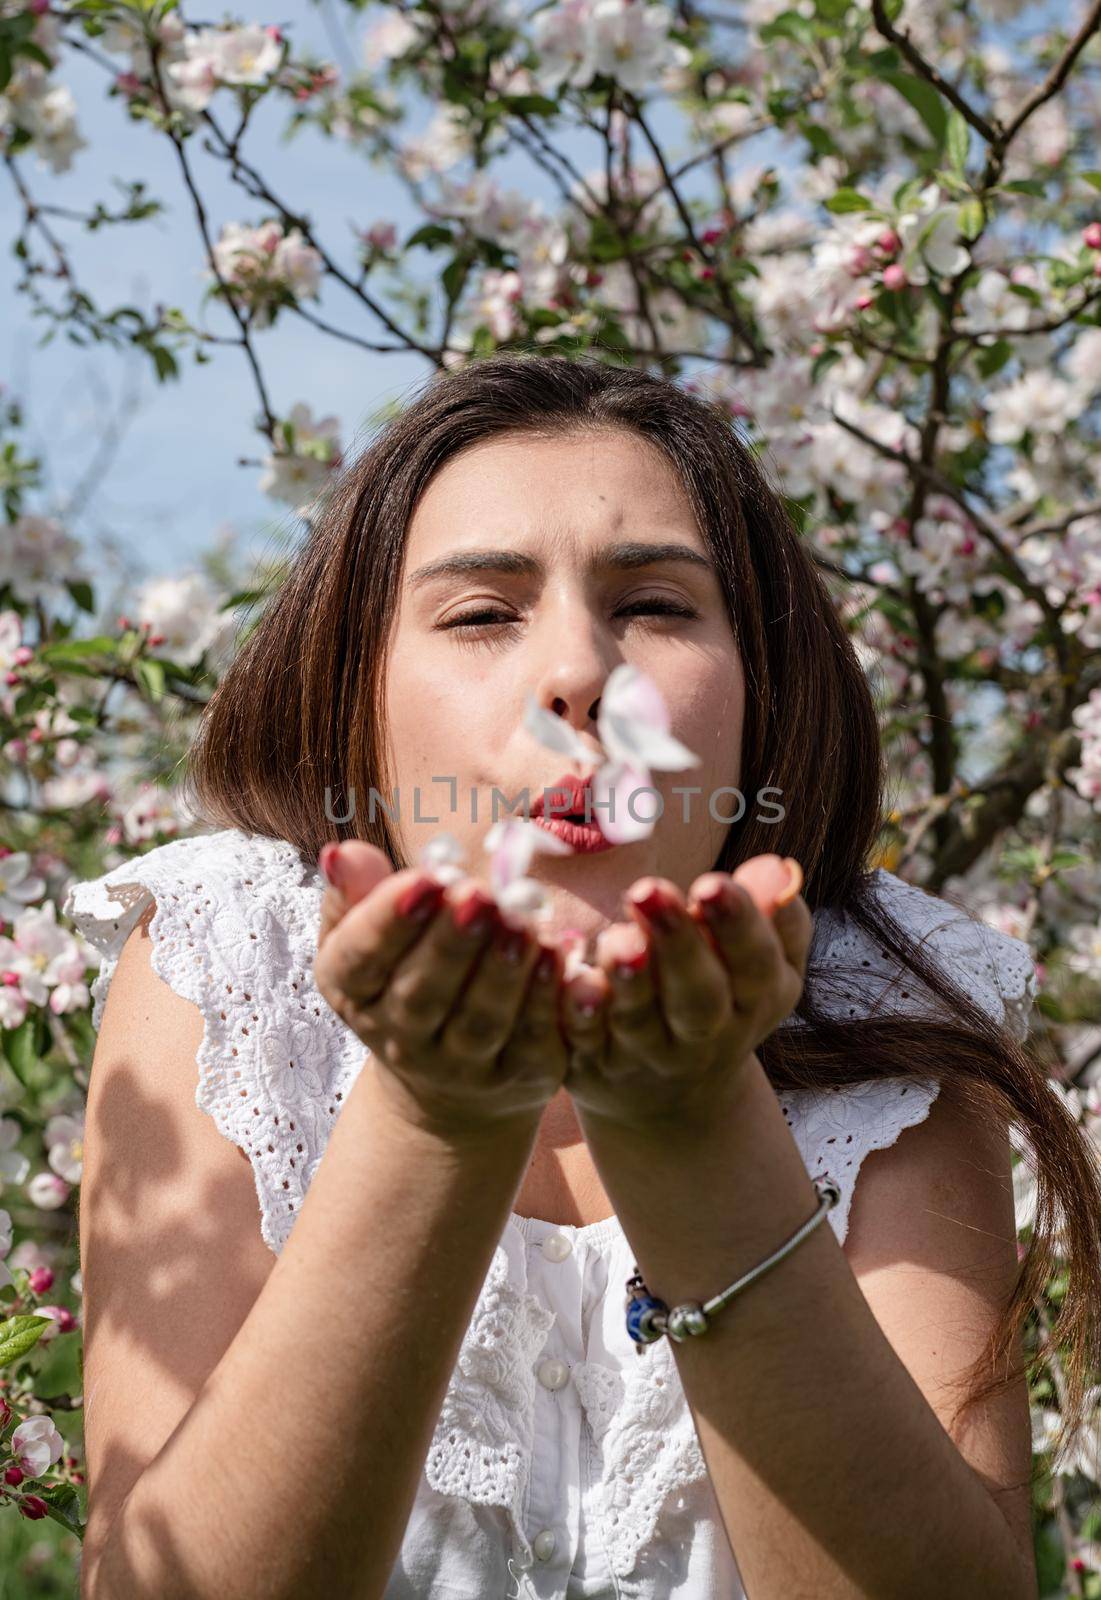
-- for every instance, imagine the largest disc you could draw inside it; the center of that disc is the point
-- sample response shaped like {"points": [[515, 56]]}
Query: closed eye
{"points": [[487, 616]]}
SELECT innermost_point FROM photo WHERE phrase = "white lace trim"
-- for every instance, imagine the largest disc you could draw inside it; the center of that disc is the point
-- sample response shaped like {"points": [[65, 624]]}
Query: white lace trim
{"points": [[235, 932], [995, 968]]}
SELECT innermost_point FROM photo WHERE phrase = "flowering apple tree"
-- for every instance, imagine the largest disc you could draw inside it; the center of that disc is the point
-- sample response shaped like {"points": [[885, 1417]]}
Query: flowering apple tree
{"points": [[869, 229]]}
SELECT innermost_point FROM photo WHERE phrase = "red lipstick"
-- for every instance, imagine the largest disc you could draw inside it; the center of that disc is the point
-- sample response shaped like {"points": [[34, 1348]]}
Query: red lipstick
{"points": [[565, 808]]}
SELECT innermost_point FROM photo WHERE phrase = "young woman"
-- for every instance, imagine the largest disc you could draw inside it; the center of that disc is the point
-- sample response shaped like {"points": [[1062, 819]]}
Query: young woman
{"points": [[415, 1376]]}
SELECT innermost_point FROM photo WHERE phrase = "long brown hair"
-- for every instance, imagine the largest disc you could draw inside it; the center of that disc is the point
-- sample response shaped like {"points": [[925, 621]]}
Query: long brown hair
{"points": [[298, 714]]}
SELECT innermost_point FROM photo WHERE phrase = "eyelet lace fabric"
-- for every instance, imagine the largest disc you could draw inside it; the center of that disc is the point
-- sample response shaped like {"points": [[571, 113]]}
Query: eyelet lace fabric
{"points": [[235, 933]]}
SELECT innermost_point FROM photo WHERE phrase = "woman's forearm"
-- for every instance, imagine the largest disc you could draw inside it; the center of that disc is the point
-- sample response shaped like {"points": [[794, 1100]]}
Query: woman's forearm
{"points": [[294, 1473], [834, 1475]]}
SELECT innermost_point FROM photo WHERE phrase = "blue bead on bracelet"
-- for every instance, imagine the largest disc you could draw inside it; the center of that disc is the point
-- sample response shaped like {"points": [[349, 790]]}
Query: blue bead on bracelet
{"points": [[650, 1319]]}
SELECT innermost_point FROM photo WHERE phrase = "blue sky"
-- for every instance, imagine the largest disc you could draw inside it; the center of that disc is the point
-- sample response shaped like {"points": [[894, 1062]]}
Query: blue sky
{"points": [[173, 487]]}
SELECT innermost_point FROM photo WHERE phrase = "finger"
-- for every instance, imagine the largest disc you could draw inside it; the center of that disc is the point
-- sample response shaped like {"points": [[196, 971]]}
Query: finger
{"points": [[431, 978], [355, 868], [768, 878], [536, 1039], [794, 927], [583, 1001], [635, 1017], [365, 945], [745, 940], [481, 1019], [692, 983]]}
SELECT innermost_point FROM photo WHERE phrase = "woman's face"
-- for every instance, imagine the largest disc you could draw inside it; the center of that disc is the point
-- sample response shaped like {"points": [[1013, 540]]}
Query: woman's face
{"points": [[469, 646]]}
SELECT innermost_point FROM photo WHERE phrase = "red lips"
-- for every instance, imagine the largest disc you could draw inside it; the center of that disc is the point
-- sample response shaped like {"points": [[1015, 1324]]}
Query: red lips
{"points": [[566, 796]]}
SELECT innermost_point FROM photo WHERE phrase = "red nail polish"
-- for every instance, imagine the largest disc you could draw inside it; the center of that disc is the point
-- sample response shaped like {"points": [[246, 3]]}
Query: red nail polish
{"points": [[630, 966], [475, 914], [420, 899], [329, 863], [662, 912]]}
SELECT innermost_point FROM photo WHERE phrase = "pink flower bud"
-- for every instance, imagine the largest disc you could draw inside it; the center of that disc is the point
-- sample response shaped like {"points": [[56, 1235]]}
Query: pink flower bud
{"points": [[11, 979], [124, 622], [33, 1507], [1078, 1565], [156, 638], [23, 655], [860, 261], [40, 1280], [39, 6], [967, 548], [711, 235], [36, 736], [889, 242], [894, 276], [863, 301], [1091, 236], [274, 32], [13, 1475], [11, 679], [706, 272]]}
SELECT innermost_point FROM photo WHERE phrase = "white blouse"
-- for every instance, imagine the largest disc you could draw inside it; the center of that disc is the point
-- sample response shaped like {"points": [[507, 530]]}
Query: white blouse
{"points": [[563, 1462]]}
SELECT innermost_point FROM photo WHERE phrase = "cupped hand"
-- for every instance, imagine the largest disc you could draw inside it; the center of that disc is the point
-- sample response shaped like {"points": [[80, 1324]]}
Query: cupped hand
{"points": [[679, 1001], [458, 1008]]}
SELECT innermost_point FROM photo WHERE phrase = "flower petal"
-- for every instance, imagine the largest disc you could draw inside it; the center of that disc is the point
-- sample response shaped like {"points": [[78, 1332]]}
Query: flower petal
{"points": [[614, 784], [553, 732]]}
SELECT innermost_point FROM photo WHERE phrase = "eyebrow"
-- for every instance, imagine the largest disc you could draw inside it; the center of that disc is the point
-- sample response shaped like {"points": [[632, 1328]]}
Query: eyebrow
{"points": [[620, 557]]}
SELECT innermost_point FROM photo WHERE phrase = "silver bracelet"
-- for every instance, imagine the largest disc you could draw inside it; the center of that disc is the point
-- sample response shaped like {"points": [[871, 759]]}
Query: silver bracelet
{"points": [[648, 1318]]}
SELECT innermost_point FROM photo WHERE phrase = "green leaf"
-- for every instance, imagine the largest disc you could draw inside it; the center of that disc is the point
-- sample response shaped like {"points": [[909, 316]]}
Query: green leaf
{"points": [[64, 1503], [151, 677], [970, 218], [81, 593], [925, 101], [849, 200], [56, 655], [1093, 178], [454, 276], [788, 25], [957, 141], [19, 1047], [18, 1335], [1026, 186], [993, 357], [431, 235], [59, 1372]]}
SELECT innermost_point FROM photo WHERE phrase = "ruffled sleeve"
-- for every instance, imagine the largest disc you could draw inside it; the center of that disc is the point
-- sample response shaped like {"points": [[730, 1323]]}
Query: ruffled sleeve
{"points": [[854, 976], [234, 932]]}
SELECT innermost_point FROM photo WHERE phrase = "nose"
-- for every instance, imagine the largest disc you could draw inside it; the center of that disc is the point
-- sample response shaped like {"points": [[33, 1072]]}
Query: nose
{"points": [[571, 683]]}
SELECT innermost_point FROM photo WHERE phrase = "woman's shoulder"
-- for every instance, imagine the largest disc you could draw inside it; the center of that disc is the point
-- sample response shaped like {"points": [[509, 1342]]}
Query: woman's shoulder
{"points": [[855, 971]]}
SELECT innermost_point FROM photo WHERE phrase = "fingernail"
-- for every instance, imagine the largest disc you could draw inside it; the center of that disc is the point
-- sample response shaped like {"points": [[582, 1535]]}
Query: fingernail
{"points": [[664, 914], [712, 902], [420, 900], [475, 914], [628, 967], [794, 884], [329, 863]]}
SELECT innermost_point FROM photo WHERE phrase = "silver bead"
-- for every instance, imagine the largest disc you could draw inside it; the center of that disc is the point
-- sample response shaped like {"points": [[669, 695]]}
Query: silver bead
{"points": [[686, 1320]]}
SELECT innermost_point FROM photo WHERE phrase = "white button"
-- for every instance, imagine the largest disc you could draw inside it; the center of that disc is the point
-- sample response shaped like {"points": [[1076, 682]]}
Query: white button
{"points": [[556, 1247], [553, 1374], [543, 1544]]}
